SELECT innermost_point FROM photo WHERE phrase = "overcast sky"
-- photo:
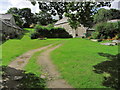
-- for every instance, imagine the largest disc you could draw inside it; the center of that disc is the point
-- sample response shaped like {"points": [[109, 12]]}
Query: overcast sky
{"points": [[6, 4]]}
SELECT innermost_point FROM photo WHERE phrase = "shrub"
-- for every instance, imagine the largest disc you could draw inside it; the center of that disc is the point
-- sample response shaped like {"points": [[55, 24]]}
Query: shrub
{"points": [[107, 29], [50, 32], [117, 36], [95, 35], [50, 25], [34, 35]]}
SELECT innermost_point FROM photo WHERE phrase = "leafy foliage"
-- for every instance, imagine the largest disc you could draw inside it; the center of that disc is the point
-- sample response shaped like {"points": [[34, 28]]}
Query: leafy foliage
{"points": [[18, 20], [49, 32], [27, 15], [43, 18], [107, 29], [95, 35], [15, 12], [104, 15], [55, 8], [83, 12], [24, 17]]}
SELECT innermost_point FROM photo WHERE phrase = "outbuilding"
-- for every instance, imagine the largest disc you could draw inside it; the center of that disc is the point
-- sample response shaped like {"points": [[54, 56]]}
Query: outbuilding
{"points": [[79, 32]]}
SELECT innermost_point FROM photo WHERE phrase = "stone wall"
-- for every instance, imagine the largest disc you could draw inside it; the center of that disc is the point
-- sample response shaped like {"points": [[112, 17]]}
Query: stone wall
{"points": [[79, 32], [10, 30]]}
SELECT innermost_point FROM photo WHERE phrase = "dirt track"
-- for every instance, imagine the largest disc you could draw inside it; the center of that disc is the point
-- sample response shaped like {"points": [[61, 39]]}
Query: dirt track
{"points": [[22, 60], [48, 68], [50, 71]]}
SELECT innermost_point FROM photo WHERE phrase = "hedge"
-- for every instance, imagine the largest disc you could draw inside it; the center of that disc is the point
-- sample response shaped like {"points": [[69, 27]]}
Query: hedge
{"points": [[49, 32]]}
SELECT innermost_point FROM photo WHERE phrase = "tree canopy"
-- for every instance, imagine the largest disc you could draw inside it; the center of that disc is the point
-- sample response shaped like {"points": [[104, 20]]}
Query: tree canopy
{"points": [[43, 18], [81, 11], [25, 14], [104, 15]]}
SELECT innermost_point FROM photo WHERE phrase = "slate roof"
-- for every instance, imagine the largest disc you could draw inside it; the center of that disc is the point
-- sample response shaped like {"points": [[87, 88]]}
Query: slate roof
{"points": [[6, 16], [64, 20], [114, 20], [9, 24]]}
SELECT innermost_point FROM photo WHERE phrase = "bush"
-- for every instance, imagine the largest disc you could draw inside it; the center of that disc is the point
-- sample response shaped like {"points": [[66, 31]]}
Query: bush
{"points": [[34, 35], [107, 30], [117, 36], [95, 35], [50, 32], [50, 25]]}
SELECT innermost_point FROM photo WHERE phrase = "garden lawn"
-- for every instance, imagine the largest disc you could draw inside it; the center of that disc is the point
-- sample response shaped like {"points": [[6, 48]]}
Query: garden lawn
{"points": [[15, 47], [75, 61]]}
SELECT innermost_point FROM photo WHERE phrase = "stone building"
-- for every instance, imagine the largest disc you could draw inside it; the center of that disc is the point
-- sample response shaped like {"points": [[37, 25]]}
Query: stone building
{"points": [[8, 27], [79, 32]]}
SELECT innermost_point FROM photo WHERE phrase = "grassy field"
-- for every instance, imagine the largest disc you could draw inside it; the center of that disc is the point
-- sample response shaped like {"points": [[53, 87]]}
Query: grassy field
{"points": [[75, 61], [15, 47]]}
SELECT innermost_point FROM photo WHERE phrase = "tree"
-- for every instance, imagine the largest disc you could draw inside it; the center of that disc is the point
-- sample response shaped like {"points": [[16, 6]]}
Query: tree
{"points": [[115, 14], [27, 15], [43, 18], [104, 15], [18, 20], [54, 8], [73, 22], [15, 12], [83, 11]]}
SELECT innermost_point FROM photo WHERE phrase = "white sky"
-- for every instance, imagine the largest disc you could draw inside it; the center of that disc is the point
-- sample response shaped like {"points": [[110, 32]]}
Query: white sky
{"points": [[6, 4]]}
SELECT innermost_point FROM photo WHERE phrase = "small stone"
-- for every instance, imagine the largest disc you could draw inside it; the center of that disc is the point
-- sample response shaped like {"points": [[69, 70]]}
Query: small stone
{"points": [[18, 77], [0, 81], [42, 76], [95, 40], [116, 41], [109, 44]]}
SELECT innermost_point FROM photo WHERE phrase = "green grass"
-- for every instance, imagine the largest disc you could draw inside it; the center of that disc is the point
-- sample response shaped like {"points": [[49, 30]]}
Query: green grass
{"points": [[29, 29], [15, 47], [33, 66], [75, 61]]}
